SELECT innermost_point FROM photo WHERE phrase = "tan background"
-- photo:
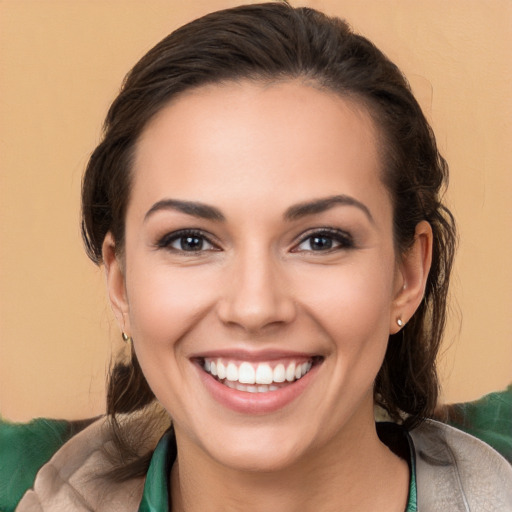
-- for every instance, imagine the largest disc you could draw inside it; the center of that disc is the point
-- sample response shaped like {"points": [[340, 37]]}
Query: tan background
{"points": [[61, 64]]}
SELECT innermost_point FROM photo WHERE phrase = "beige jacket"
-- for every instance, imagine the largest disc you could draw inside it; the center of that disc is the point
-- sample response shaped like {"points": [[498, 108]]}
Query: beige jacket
{"points": [[455, 472], [67, 484]]}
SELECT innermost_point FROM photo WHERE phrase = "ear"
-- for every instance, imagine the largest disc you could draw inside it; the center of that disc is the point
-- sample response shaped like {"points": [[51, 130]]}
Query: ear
{"points": [[411, 277], [116, 287]]}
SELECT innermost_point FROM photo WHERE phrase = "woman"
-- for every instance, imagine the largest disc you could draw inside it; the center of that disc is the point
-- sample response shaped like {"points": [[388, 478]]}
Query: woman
{"points": [[266, 203]]}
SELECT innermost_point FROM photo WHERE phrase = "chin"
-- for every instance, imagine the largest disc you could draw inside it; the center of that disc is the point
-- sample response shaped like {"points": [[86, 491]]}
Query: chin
{"points": [[259, 448], [270, 458]]}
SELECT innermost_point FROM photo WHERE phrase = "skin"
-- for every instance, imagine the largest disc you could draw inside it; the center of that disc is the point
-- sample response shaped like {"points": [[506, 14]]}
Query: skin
{"points": [[254, 151]]}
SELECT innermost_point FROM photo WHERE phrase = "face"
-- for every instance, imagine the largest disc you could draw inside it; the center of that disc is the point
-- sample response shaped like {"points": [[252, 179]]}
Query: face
{"points": [[260, 281]]}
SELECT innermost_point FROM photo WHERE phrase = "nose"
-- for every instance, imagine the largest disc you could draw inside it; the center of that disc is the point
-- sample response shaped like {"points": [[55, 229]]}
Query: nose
{"points": [[257, 294]]}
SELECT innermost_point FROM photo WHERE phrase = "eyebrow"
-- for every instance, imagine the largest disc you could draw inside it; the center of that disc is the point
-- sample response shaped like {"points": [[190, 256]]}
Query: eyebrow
{"points": [[295, 212], [323, 204], [193, 208]]}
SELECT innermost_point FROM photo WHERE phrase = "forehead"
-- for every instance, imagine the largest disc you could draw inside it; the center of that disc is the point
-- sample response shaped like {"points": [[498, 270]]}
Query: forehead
{"points": [[245, 138]]}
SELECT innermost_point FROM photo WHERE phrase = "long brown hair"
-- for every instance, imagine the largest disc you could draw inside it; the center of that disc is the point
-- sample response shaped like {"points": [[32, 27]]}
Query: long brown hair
{"points": [[269, 42]]}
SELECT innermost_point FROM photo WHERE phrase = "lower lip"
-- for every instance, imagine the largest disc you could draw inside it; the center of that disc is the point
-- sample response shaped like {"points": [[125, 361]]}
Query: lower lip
{"points": [[256, 403]]}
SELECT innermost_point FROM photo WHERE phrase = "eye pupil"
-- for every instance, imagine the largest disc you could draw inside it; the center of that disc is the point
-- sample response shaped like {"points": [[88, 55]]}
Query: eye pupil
{"points": [[191, 243], [319, 243]]}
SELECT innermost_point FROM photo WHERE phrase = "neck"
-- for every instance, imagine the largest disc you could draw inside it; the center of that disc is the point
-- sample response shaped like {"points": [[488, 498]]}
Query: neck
{"points": [[355, 473]]}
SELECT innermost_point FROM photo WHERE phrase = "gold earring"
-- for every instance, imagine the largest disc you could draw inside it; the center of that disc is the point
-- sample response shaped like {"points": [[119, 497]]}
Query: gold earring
{"points": [[399, 322], [126, 338]]}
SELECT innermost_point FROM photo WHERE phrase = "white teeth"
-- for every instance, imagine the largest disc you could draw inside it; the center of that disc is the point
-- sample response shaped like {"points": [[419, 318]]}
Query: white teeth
{"points": [[221, 370], [290, 372], [246, 374], [255, 377], [232, 372], [279, 373], [262, 388], [264, 374]]}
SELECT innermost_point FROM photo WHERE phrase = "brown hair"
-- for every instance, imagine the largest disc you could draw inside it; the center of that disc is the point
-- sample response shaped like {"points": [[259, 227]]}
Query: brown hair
{"points": [[269, 42]]}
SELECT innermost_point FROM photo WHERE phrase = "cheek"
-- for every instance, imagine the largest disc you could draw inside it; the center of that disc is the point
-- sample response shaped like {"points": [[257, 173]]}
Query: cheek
{"points": [[352, 304], [166, 302]]}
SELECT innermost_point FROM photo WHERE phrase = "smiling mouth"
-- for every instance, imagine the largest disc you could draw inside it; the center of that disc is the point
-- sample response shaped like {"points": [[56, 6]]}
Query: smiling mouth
{"points": [[253, 377]]}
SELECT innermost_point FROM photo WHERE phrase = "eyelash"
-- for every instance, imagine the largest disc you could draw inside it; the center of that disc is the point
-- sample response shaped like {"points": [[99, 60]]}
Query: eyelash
{"points": [[341, 240]]}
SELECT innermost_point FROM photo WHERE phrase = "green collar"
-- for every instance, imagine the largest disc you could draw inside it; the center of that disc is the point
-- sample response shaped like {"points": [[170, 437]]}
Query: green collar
{"points": [[156, 489]]}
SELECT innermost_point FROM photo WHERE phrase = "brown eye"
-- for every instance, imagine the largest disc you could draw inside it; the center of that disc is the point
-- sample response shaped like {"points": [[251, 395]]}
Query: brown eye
{"points": [[326, 240], [320, 243], [186, 241], [189, 243]]}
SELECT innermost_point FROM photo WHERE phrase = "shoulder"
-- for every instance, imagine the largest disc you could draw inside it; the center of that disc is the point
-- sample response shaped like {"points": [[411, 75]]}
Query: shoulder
{"points": [[456, 471], [73, 479]]}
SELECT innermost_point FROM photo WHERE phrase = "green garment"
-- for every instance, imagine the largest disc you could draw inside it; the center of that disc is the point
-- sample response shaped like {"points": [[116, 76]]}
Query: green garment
{"points": [[155, 497], [412, 503], [489, 419], [156, 489], [24, 448]]}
